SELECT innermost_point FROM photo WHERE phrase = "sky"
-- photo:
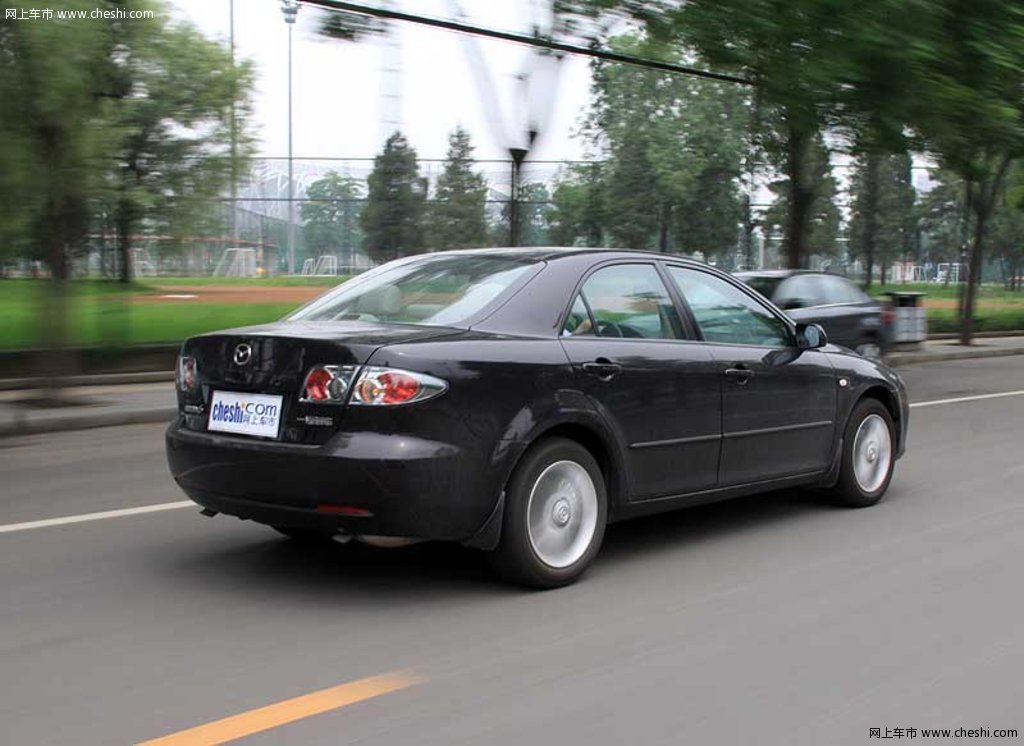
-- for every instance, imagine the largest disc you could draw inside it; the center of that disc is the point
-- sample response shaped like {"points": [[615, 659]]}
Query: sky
{"points": [[337, 86]]}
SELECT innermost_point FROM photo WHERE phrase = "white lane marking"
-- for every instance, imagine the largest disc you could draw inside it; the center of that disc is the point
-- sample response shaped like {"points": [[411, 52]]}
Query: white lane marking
{"points": [[86, 517], [959, 399]]}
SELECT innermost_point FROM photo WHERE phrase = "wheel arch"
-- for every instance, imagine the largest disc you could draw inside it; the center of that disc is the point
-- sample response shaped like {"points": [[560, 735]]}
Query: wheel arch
{"points": [[887, 399], [598, 442]]}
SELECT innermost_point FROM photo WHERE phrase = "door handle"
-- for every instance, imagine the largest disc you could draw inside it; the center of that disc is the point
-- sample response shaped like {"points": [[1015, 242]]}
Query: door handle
{"points": [[603, 368], [739, 374]]}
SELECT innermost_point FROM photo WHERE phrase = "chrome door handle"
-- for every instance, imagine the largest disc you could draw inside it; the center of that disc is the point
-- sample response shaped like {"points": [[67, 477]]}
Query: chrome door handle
{"points": [[739, 375], [603, 368]]}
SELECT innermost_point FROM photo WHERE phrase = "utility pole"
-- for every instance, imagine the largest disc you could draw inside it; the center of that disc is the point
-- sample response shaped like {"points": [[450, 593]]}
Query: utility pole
{"points": [[234, 127], [290, 8]]}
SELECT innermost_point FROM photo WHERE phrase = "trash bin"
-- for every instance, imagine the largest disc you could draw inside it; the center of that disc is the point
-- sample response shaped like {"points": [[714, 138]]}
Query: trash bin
{"points": [[909, 322]]}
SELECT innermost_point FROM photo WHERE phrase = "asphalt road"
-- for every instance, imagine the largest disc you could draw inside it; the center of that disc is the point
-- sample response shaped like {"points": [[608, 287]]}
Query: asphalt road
{"points": [[770, 620]]}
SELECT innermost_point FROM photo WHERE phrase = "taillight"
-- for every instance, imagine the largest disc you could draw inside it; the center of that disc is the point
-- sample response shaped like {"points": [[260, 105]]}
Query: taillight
{"points": [[327, 384], [389, 386], [187, 373], [888, 314]]}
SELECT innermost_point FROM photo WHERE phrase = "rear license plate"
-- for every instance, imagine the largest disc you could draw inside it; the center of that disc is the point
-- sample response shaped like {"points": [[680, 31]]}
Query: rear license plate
{"points": [[245, 414]]}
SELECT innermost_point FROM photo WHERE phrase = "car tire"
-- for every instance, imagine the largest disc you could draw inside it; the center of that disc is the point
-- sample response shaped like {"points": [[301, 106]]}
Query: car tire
{"points": [[556, 508], [869, 456]]}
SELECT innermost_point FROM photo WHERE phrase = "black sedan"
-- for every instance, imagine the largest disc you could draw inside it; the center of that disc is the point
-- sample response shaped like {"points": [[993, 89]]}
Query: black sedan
{"points": [[517, 401], [849, 316]]}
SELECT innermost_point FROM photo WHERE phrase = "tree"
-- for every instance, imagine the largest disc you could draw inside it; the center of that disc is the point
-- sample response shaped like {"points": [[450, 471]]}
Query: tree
{"points": [[576, 215], [818, 190], [675, 150], [883, 220], [458, 215], [968, 109], [534, 207], [945, 220], [392, 218], [815, 65], [331, 214], [1007, 231], [174, 115]]}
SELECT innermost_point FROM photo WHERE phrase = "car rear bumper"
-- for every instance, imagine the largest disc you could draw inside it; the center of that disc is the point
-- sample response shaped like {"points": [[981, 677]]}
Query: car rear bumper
{"points": [[407, 486]]}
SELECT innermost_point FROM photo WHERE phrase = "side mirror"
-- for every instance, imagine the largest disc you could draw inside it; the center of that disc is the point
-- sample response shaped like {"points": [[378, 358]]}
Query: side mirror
{"points": [[810, 336]]}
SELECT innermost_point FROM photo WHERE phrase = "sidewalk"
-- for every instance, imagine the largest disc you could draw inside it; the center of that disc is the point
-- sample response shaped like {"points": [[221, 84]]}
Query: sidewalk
{"points": [[93, 406], [103, 401], [937, 350]]}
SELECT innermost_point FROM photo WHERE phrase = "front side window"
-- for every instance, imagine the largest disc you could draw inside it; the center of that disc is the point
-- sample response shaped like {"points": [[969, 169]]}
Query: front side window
{"points": [[437, 290], [630, 300], [726, 314]]}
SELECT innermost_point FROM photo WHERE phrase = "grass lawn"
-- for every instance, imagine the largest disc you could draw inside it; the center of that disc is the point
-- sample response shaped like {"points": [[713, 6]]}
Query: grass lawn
{"points": [[998, 309], [107, 313], [110, 313]]}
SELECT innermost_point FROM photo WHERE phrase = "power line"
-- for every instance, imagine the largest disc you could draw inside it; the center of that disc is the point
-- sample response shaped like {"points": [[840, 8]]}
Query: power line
{"points": [[533, 41]]}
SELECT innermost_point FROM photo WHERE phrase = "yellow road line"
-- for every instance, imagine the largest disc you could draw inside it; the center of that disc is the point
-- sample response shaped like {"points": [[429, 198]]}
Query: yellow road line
{"points": [[288, 711]]}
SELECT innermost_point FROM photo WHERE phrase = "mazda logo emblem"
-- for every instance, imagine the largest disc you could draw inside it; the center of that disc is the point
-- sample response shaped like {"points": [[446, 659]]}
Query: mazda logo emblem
{"points": [[243, 354]]}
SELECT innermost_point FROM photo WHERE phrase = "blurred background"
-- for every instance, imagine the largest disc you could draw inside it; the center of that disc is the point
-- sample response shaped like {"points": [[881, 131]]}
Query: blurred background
{"points": [[168, 167]]}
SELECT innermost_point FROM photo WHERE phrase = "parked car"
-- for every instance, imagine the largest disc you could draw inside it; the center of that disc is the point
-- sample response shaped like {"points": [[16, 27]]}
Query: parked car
{"points": [[850, 317], [519, 400]]}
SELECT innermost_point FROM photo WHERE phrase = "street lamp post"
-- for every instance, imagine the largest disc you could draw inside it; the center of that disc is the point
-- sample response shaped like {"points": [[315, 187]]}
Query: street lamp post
{"points": [[290, 8]]}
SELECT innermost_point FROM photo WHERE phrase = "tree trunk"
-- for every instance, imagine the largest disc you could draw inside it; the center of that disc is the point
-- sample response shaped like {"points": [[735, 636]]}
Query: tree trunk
{"points": [[799, 199], [983, 203], [885, 269], [973, 274], [666, 216], [124, 220], [873, 165]]}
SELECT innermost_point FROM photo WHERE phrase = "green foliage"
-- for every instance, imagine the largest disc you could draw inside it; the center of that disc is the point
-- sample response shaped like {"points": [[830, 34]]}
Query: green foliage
{"points": [[392, 219], [457, 218], [576, 215], [534, 199], [883, 221], [1007, 228], [675, 149], [944, 218], [331, 214], [55, 76], [177, 95]]}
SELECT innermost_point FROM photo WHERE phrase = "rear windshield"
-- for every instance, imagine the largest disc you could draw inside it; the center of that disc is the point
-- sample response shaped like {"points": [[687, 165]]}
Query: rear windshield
{"points": [[766, 286], [436, 290]]}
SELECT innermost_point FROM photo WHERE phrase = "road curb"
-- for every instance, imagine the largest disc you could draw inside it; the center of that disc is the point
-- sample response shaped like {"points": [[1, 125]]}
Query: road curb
{"points": [[97, 379], [915, 358], [26, 426]]}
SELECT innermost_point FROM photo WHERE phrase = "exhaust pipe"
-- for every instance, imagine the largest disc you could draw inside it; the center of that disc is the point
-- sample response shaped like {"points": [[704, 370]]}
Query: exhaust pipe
{"points": [[388, 542]]}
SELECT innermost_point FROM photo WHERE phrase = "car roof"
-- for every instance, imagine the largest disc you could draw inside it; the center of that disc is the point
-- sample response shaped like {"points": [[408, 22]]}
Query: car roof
{"points": [[549, 253]]}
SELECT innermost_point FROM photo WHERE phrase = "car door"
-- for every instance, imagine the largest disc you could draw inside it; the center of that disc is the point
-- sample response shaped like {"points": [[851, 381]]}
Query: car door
{"points": [[862, 316], [657, 389], [778, 403]]}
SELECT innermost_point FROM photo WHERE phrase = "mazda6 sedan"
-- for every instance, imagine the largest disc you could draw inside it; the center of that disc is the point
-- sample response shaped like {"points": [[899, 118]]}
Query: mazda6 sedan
{"points": [[519, 400]]}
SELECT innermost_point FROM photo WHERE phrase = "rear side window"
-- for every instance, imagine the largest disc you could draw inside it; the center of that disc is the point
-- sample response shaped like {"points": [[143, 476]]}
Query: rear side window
{"points": [[631, 301], [578, 323], [841, 290], [801, 291], [726, 314]]}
